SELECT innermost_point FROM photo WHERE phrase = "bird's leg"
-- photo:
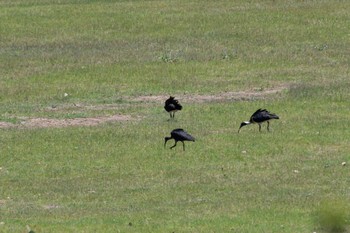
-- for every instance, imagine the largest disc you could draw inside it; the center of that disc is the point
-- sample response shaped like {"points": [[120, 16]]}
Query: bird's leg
{"points": [[259, 127], [183, 146], [268, 126], [173, 145]]}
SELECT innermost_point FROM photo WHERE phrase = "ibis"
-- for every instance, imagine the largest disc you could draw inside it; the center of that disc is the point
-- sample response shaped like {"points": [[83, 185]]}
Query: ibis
{"points": [[171, 106], [258, 117], [179, 135]]}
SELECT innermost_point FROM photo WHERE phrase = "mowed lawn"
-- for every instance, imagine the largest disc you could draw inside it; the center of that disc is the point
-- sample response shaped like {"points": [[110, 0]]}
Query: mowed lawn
{"points": [[63, 62]]}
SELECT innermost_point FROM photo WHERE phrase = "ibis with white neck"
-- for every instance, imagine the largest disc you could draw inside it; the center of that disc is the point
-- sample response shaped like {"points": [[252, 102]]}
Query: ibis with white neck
{"points": [[260, 116]]}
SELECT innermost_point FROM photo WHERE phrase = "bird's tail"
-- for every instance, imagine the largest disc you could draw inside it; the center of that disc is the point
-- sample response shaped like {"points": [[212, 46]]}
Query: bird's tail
{"points": [[178, 106], [274, 116]]}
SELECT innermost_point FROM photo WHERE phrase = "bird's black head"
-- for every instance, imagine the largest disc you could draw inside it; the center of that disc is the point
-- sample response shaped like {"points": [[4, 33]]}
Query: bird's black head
{"points": [[244, 123]]}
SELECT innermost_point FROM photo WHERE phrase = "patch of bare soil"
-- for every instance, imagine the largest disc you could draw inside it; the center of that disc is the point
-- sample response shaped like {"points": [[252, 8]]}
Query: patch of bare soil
{"points": [[93, 121], [76, 106], [2, 202], [225, 96], [5, 124], [58, 123], [50, 207]]}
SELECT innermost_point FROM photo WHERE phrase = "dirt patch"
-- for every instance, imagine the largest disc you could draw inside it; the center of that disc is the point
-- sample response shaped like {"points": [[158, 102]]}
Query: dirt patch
{"points": [[81, 106], [93, 121], [58, 123], [50, 207], [225, 96], [6, 124]]}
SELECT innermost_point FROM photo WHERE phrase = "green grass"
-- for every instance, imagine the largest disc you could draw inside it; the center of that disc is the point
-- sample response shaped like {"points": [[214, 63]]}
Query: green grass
{"points": [[332, 215], [117, 176]]}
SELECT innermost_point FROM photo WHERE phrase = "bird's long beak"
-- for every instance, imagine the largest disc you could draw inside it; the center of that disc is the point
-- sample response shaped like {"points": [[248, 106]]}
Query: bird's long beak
{"points": [[165, 141], [243, 124], [240, 127]]}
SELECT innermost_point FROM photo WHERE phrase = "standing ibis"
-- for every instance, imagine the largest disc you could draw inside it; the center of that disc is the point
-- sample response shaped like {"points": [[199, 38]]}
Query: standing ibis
{"points": [[260, 116], [171, 106], [179, 135]]}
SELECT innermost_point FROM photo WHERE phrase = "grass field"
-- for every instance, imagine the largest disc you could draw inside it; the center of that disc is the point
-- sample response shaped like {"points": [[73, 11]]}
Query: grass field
{"points": [[88, 61]]}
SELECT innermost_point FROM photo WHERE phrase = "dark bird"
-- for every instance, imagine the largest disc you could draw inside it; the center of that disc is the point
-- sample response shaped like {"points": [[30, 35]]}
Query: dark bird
{"points": [[260, 116], [172, 105], [179, 135]]}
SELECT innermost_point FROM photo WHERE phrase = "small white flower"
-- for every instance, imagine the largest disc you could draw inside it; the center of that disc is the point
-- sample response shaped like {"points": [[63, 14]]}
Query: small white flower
{"points": [[65, 95]]}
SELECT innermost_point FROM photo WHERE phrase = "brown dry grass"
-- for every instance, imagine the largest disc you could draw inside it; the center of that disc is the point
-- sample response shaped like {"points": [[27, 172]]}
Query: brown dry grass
{"points": [[57, 123], [42, 122], [225, 96]]}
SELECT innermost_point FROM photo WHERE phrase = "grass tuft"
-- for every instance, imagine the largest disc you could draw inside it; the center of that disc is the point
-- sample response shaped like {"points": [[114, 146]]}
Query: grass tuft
{"points": [[333, 216]]}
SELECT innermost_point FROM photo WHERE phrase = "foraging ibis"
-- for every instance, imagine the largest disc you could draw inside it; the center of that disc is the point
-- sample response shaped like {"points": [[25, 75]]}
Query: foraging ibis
{"points": [[258, 117], [179, 135]]}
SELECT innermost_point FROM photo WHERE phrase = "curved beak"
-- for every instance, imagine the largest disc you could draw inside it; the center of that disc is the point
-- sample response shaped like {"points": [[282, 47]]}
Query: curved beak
{"points": [[243, 124], [165, 141]]}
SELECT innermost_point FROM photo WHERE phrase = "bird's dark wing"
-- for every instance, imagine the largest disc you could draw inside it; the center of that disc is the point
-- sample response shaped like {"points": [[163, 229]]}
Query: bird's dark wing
{"points": [[178, 106], [181, 135], [263, 115], [269, 115], [256, 113], [169, 100], [172, 104], [175, 130], [170, 107], [274, 116]]}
